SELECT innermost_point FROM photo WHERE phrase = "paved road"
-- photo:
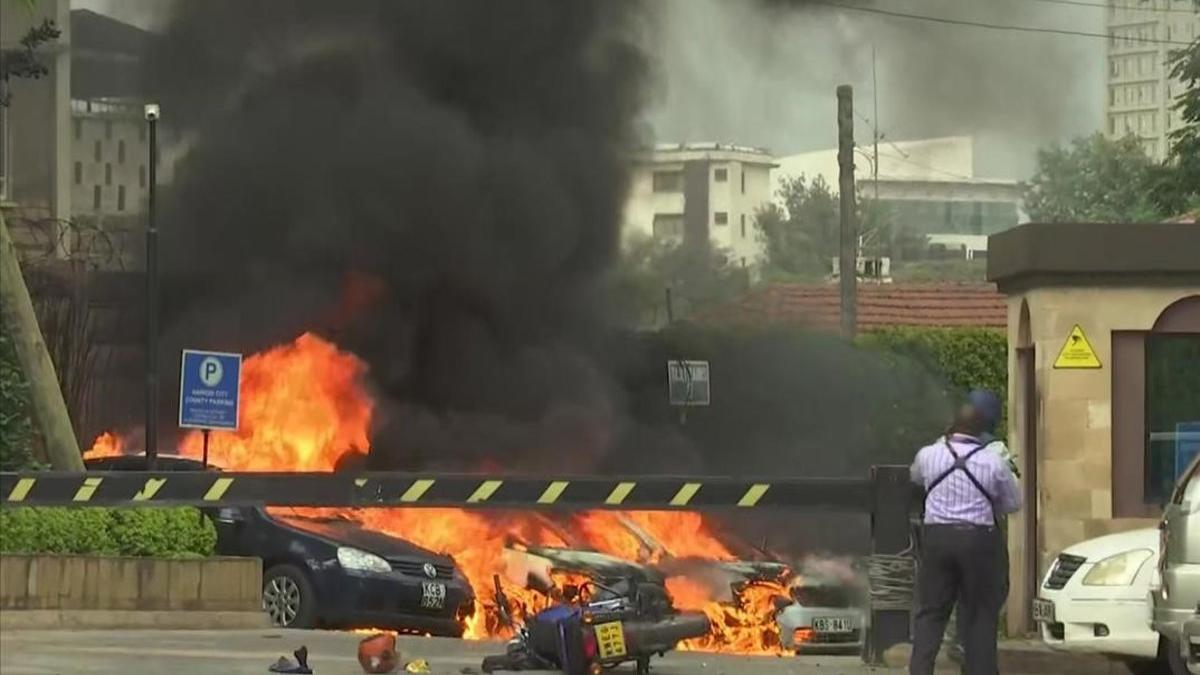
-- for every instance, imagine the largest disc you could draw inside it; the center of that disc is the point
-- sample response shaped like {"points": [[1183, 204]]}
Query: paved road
{"points": [[236, 652], [130, 652]]}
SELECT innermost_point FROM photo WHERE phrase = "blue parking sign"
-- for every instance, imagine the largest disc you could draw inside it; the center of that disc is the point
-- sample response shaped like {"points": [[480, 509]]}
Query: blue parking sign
{"points": [[209, 383]]}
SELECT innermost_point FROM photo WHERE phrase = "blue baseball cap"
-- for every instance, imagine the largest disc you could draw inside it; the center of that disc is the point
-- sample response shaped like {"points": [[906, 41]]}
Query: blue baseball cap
{"points": [[987, 406]]}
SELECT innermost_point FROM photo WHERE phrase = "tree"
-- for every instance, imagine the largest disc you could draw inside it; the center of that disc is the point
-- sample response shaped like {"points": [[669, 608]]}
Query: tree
{"points": [[23, 62], [800, 235], [1094, 179], [649, 267], [1177, 185]]}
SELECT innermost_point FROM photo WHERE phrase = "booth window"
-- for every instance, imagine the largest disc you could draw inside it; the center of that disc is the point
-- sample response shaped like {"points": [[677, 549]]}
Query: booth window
{"points": [[1155, 409], [1172, 410]]}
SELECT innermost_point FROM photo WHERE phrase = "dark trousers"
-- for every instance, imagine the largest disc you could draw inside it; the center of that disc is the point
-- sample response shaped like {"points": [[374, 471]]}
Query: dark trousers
{"points": [[960, 628], [962, 565]]}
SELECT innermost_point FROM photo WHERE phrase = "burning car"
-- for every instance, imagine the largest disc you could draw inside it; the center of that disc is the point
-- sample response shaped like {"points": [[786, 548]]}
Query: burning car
{"points": [[329, 571], [818, 609], [824, 614]]}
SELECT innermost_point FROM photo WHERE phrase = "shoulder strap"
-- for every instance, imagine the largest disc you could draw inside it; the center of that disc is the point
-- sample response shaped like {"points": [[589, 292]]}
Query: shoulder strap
{"points": [[960, 464]]}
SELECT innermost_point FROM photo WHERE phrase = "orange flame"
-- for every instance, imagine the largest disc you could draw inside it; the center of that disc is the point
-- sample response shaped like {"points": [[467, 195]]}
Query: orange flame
{"points": [[107, 444], [304, 408]]}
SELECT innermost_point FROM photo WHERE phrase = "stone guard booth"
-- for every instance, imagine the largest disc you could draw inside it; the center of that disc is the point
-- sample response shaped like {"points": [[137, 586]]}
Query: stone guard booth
{"points": [[1098, 421]]}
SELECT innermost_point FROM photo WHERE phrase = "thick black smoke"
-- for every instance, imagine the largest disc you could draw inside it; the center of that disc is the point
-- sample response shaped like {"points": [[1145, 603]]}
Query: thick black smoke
{"points": [[436, 186], [459, 162]]}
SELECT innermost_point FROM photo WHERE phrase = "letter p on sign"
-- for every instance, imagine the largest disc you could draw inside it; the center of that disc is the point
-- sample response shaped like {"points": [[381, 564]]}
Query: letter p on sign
{"points": [[211, 372]]}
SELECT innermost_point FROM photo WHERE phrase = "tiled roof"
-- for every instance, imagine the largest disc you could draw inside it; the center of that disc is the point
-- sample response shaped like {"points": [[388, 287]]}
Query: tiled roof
{"points": [[879, 305]]}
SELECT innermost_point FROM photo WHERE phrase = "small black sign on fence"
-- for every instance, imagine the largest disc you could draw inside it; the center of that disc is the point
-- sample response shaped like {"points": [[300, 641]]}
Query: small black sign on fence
{"points": [[688, 383]]}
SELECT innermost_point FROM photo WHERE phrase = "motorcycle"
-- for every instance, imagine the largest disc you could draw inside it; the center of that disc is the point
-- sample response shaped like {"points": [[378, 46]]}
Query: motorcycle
{"points": [[596, 627]]}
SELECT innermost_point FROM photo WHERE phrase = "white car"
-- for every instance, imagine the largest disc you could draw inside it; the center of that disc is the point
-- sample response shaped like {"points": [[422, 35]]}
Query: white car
{"points": [[1095, 596]]}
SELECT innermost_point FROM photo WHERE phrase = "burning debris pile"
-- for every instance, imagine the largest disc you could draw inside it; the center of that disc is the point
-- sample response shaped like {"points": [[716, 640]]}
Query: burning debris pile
{"points": [[305, 409]]}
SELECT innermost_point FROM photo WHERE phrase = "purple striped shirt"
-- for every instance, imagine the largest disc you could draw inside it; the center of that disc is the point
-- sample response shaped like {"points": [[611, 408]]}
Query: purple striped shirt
{"points": [[956, 499]]}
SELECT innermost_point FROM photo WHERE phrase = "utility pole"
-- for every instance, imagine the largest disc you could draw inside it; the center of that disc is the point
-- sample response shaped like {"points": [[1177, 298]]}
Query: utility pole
{"points": [[848, 259], [45, 394], [152, 115], [875, 129]]}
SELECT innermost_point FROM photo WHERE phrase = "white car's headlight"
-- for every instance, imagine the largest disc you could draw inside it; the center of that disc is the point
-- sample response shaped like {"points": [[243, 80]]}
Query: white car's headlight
{"points": [[1117, 570], [354, 559]]}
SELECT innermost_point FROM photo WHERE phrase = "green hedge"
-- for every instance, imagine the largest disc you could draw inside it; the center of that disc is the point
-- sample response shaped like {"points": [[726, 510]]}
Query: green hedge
{"points": [[964, 358], [158, 532]]}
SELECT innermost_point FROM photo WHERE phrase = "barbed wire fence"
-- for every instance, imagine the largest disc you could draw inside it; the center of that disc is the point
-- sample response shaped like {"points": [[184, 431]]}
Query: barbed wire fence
{"points": [[61, 260]]}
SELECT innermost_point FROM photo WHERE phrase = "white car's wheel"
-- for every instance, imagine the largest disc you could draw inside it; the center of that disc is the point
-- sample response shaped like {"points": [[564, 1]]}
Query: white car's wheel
{"points": [[1170, 661]]}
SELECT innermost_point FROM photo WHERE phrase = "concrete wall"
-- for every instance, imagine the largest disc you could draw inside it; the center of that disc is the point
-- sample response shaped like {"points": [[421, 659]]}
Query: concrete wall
{"points": [[48, 590], [38, 119], [1074, 414]]}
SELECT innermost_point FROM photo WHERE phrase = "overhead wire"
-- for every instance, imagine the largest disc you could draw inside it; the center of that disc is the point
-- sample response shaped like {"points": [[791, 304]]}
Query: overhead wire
{"points": [[1130, 8], [995, 26]]}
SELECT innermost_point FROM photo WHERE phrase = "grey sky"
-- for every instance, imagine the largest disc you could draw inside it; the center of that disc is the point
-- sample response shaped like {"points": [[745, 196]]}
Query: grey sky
{"points": [[752, 72], [733, 70]]}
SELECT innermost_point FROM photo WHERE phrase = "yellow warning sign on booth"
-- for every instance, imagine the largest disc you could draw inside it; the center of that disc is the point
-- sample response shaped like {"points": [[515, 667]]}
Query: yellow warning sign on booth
{"points": [[1077, 352]]}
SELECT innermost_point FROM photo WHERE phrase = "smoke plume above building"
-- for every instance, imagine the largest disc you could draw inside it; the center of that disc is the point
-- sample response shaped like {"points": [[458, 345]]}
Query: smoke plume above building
{"points": [[764, 72]]}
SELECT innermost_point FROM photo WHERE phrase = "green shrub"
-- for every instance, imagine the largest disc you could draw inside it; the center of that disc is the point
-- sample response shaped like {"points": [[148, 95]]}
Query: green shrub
{"points": [[162, 532], [159, 532], [964, 358], [46, 530]]}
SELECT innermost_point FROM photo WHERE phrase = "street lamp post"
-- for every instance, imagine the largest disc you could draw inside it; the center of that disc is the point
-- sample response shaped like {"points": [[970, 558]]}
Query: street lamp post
{"points": [[152, 115]]}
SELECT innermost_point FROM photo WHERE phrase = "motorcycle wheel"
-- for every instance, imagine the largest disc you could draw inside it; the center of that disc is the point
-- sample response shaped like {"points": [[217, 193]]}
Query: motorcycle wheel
{"points": [[643, 666]]}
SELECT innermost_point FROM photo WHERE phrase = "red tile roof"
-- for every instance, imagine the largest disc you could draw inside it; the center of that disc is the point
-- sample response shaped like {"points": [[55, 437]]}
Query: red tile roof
{"points": [[879, 305]]}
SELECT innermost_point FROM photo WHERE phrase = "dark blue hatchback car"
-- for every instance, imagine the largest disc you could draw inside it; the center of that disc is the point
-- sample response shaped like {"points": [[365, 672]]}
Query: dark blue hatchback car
{"points": [[331, 572]]}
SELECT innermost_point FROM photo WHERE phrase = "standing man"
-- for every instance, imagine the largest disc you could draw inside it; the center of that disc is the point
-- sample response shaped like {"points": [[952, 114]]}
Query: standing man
{"points": [[963, 553], [987, 404]]}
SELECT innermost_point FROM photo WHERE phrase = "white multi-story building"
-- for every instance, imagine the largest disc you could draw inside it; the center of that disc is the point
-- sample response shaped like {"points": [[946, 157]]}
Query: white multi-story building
{"points": [[1141, 93], [925, 187], [706, 191]]}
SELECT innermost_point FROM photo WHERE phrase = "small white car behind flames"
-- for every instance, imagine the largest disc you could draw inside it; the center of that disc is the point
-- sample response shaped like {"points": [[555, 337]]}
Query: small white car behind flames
{"points": [[824, 615]]}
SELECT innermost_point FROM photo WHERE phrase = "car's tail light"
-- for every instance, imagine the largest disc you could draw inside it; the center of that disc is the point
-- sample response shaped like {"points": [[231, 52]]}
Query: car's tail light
{"points": [[590, 646], [803, 635]]}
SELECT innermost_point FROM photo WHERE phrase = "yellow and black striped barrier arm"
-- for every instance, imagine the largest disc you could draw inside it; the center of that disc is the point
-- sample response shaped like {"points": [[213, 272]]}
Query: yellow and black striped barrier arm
{"points": [[202, 488]]}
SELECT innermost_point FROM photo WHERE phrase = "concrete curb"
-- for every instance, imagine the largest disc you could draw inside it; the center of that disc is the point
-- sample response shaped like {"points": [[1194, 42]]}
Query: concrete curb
{"points": [[115, 619]]}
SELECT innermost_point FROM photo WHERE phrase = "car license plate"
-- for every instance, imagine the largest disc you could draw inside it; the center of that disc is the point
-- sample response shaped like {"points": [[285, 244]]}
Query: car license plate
{"points": [[610, 640], [1043, 610], [433, 595], [832, 625]]}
